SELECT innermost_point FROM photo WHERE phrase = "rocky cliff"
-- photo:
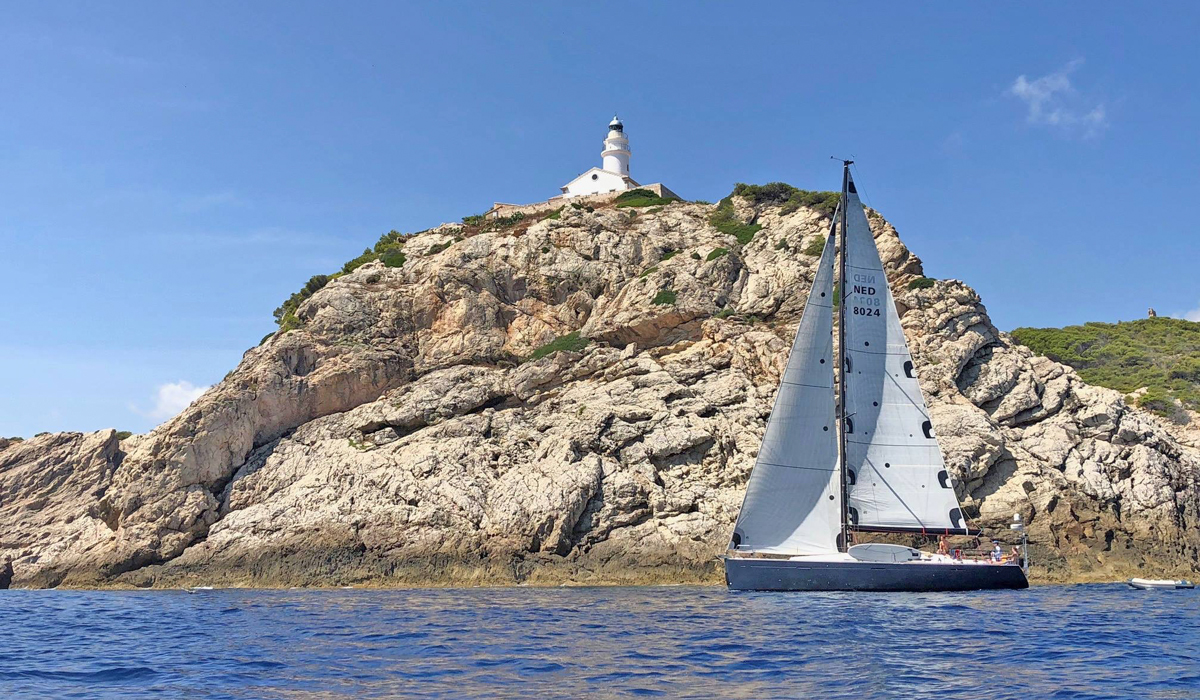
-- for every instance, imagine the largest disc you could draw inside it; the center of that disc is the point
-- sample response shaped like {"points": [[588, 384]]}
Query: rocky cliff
{"points": [[401, 435]]}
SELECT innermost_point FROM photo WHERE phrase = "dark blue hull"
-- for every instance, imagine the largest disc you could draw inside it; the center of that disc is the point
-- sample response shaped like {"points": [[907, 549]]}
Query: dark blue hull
{"points": [[792, 575]]}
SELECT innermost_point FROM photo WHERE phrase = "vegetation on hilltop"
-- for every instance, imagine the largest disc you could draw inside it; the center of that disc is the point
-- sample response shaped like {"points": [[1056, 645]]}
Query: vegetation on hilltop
{"points": [[1161, 354], [389, 248], [641, 198], [790, 197]]}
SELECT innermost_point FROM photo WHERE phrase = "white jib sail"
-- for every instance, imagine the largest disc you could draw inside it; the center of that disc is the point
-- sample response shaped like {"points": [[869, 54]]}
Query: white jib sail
{"points": [[791, 504], [897, 479]]}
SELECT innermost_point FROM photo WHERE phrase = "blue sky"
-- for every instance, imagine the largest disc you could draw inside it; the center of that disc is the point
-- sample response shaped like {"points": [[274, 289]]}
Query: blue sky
{"points": [[169, 173]]}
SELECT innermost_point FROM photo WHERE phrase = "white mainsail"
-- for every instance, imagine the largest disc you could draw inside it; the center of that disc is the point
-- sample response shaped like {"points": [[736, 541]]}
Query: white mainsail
{"points": [[897, 480], [792, 504]]}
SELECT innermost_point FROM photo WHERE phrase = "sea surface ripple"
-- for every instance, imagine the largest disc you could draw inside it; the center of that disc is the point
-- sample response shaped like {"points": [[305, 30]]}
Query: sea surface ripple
{"points": [[1087, 641]]}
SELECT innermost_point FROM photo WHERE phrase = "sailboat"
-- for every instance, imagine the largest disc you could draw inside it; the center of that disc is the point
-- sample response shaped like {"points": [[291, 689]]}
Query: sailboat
{"points": [[819, 479]]}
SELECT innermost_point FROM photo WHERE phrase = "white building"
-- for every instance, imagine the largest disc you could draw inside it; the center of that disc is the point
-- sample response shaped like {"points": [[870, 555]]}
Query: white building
{"points": [[595, 185], [613, 175]]}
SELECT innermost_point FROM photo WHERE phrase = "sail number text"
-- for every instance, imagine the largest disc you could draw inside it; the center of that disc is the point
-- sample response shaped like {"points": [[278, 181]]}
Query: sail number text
{"points": [[865, 302]]}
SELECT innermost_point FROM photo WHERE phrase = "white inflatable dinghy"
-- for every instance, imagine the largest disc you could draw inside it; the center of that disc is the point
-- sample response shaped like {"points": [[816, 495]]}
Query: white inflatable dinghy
{"points": [[1148, 583]]}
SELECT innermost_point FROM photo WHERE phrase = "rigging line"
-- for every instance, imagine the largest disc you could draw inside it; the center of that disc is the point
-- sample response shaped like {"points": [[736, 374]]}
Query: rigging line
{"points": [[857, 174]]}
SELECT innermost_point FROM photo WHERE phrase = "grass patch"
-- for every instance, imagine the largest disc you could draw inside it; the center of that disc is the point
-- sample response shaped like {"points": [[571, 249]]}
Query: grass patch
{"points": [[665, 297], [1161, 354], [571, 342], [122, 434], [716, 253], [554, 215], [816, 247], [647, 272], [921, 283], [725, 221], [641, 198], [668, 255]]}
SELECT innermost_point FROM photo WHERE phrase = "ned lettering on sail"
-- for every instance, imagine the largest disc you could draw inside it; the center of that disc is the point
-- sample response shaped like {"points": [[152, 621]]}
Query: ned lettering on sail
{"points": [[864, 302], [820, 482]]}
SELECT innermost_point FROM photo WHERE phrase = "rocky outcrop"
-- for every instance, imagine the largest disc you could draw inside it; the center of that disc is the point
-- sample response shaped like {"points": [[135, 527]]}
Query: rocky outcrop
{"points": [[399, 436]]}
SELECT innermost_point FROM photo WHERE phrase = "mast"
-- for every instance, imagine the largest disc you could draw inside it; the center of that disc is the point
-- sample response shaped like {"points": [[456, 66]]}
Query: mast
{"points": [[841, 360]]}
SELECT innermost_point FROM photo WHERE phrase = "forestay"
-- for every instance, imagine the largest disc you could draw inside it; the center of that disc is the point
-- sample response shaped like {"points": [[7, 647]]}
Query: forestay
{"points": [[897, 479], [792, 504]]}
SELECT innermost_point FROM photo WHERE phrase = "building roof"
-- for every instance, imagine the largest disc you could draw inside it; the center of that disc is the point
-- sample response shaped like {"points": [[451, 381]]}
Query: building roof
{"points": [[589, 171]]}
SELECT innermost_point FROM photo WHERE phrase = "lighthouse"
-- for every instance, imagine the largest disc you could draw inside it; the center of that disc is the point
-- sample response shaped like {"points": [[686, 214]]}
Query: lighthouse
{"points": [[613, 173], [595, 186], [616, 148]]}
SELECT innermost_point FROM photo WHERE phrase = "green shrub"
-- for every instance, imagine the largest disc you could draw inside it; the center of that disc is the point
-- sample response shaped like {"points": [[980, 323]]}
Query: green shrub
{"points": [[641, 198], [571, 342], [554, 215], [391, 239], [1161, 354], [44, 432], [311, 287], [122, 434], [665, 297], [789, 197], [439, 247], [716, 253], [816, 247], [724, 220], [726, 312], [668, 255], [367, 256], [289, 323], [921, 283], [695, 255], [782, 245], [648, 271], [701, 201], [267, 337], [393, 258], [474, 220]]}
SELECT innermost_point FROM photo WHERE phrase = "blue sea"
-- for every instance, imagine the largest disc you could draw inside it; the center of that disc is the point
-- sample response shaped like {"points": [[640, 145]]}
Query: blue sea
{"points": [[1088, 641]]}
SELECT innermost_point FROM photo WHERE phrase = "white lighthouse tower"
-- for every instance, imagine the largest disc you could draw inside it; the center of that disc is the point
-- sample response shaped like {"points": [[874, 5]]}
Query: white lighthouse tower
{"points": [[616, 148], [613, 175]]}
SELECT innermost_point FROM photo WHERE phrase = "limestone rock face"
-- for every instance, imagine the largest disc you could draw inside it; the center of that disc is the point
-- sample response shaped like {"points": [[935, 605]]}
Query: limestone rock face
{"points": [[400, 435]]}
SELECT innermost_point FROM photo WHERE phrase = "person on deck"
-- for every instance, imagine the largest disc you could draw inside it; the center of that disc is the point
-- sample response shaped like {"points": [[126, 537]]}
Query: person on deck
{"points": [[997, 553], [943, 546]]}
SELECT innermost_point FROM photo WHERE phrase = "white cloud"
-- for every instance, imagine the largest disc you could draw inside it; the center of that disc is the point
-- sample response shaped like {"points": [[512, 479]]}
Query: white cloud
{"points": [[1053, 101], [1193, 315], [171, 398]]}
